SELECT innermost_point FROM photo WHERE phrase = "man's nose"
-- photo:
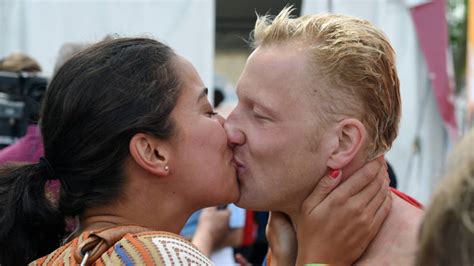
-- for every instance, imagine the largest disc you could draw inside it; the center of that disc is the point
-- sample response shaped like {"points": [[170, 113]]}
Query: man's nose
{"points": [[235, 136]]}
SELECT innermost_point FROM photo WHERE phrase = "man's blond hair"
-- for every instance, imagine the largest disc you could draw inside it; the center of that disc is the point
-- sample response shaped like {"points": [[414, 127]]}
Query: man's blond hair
{"points": [[355, 60]]}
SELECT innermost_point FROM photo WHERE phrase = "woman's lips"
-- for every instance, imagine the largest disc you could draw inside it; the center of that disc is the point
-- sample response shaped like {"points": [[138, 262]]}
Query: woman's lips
{"points": [[240, 168]]}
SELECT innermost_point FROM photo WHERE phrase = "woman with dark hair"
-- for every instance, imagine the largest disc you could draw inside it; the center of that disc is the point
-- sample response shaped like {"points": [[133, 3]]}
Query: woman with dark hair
{"points": [[136, 147], [118, 92]]}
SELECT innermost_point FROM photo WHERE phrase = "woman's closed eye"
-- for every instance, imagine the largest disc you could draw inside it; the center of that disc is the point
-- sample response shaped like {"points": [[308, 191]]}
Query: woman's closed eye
{"points": [[211, 113]]}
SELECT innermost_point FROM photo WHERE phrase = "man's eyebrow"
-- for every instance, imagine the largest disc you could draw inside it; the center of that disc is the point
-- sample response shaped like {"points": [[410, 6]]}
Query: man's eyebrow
{"points": [[203, 94]]}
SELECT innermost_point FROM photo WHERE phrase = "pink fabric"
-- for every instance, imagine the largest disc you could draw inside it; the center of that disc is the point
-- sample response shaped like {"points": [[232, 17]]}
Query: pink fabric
{"points": [[28, 149], [432, 31]]}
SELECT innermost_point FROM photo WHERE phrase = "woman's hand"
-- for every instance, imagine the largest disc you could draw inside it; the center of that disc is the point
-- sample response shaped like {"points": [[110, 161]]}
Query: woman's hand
{"points": [[337, 225]]}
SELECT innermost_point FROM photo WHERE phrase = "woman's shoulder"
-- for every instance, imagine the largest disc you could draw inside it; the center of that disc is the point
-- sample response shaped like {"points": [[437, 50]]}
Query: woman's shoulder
{"points": [[62, 255], [136, 248]]}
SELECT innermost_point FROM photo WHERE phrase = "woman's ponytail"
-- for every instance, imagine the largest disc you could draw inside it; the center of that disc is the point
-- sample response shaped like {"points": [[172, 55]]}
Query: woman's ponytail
{"points": [[30, 225]]}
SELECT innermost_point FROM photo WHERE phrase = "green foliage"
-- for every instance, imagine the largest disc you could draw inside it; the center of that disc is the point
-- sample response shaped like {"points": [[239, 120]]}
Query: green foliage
{"points": [[456, 16]]}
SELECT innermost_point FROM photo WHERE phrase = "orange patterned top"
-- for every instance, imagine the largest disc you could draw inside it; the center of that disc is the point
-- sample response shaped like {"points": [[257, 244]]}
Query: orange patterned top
{"points": [[126, 245]]}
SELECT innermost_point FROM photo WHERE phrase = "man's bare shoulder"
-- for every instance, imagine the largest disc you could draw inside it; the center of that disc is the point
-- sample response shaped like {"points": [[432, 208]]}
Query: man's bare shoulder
{"points": [[396, 241], [406, 215]]}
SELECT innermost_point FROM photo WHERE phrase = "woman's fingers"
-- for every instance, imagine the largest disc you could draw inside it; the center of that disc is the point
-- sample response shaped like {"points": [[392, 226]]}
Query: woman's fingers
{"points": [[377, 201], [361, 178], [321, 191], [381, 214], [370, 191]]}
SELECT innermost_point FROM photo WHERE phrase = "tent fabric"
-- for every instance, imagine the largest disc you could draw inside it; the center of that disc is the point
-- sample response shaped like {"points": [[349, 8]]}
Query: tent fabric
{"points": [[40, 27], [432, 35]]}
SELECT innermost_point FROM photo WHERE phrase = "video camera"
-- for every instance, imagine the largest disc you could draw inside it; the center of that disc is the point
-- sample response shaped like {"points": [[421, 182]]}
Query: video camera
{"points": [[20, 98]]}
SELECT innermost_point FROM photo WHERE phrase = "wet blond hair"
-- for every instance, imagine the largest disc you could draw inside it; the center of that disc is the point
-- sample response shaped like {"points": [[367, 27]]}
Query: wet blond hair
{"points": [[446, 236], [355, 60]]}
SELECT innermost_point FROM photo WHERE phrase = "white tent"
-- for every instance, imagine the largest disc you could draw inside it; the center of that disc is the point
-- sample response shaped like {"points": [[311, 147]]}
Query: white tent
{"points": [[40, 27], [419, 152]]}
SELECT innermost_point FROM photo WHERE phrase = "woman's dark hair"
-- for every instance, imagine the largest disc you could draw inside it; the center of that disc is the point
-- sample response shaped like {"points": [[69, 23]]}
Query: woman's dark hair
{"points": [[95, 103]]}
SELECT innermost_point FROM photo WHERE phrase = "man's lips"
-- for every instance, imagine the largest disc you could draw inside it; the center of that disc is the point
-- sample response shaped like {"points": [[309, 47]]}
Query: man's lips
{"points": [[237, 163]]}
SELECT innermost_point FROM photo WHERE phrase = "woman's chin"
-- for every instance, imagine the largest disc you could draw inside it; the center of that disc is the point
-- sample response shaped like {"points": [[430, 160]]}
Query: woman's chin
{"points": [[235, 191], [231, 196]]}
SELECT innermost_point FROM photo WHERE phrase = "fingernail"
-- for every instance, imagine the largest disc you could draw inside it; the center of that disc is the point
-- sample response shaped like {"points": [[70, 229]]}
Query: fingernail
{"points": [[334, 173]]}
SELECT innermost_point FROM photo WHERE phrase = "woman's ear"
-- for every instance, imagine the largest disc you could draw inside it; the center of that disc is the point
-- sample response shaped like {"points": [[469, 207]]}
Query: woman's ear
{"points": [[351, 137], [150, 153]]}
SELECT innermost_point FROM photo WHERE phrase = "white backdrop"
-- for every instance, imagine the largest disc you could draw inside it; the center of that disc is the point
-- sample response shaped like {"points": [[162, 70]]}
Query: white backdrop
{"points": [[417, 173], [40, 27]]}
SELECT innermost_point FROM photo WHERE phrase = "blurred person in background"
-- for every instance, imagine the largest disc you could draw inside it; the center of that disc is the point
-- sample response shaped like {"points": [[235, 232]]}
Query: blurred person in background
{"points": [[28, 148], [446, 235], [19, 62], [222, 252], [210, 230]]}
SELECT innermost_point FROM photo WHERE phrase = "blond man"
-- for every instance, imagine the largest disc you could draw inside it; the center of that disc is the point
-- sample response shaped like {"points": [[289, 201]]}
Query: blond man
{"points": [[318, 94]]}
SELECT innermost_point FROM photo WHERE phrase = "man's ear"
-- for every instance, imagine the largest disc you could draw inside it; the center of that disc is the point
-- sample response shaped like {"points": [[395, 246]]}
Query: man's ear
{"points": [[150, 153], [351, 137]]}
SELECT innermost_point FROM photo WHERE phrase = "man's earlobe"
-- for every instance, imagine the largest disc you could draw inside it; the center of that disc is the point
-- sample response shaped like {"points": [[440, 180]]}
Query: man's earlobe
{"points": [[351, 136], [150, 154]]}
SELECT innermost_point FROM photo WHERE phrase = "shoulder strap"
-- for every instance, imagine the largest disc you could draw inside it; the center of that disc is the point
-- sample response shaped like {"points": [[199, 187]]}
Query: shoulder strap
{"points": [[98, 242]]}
